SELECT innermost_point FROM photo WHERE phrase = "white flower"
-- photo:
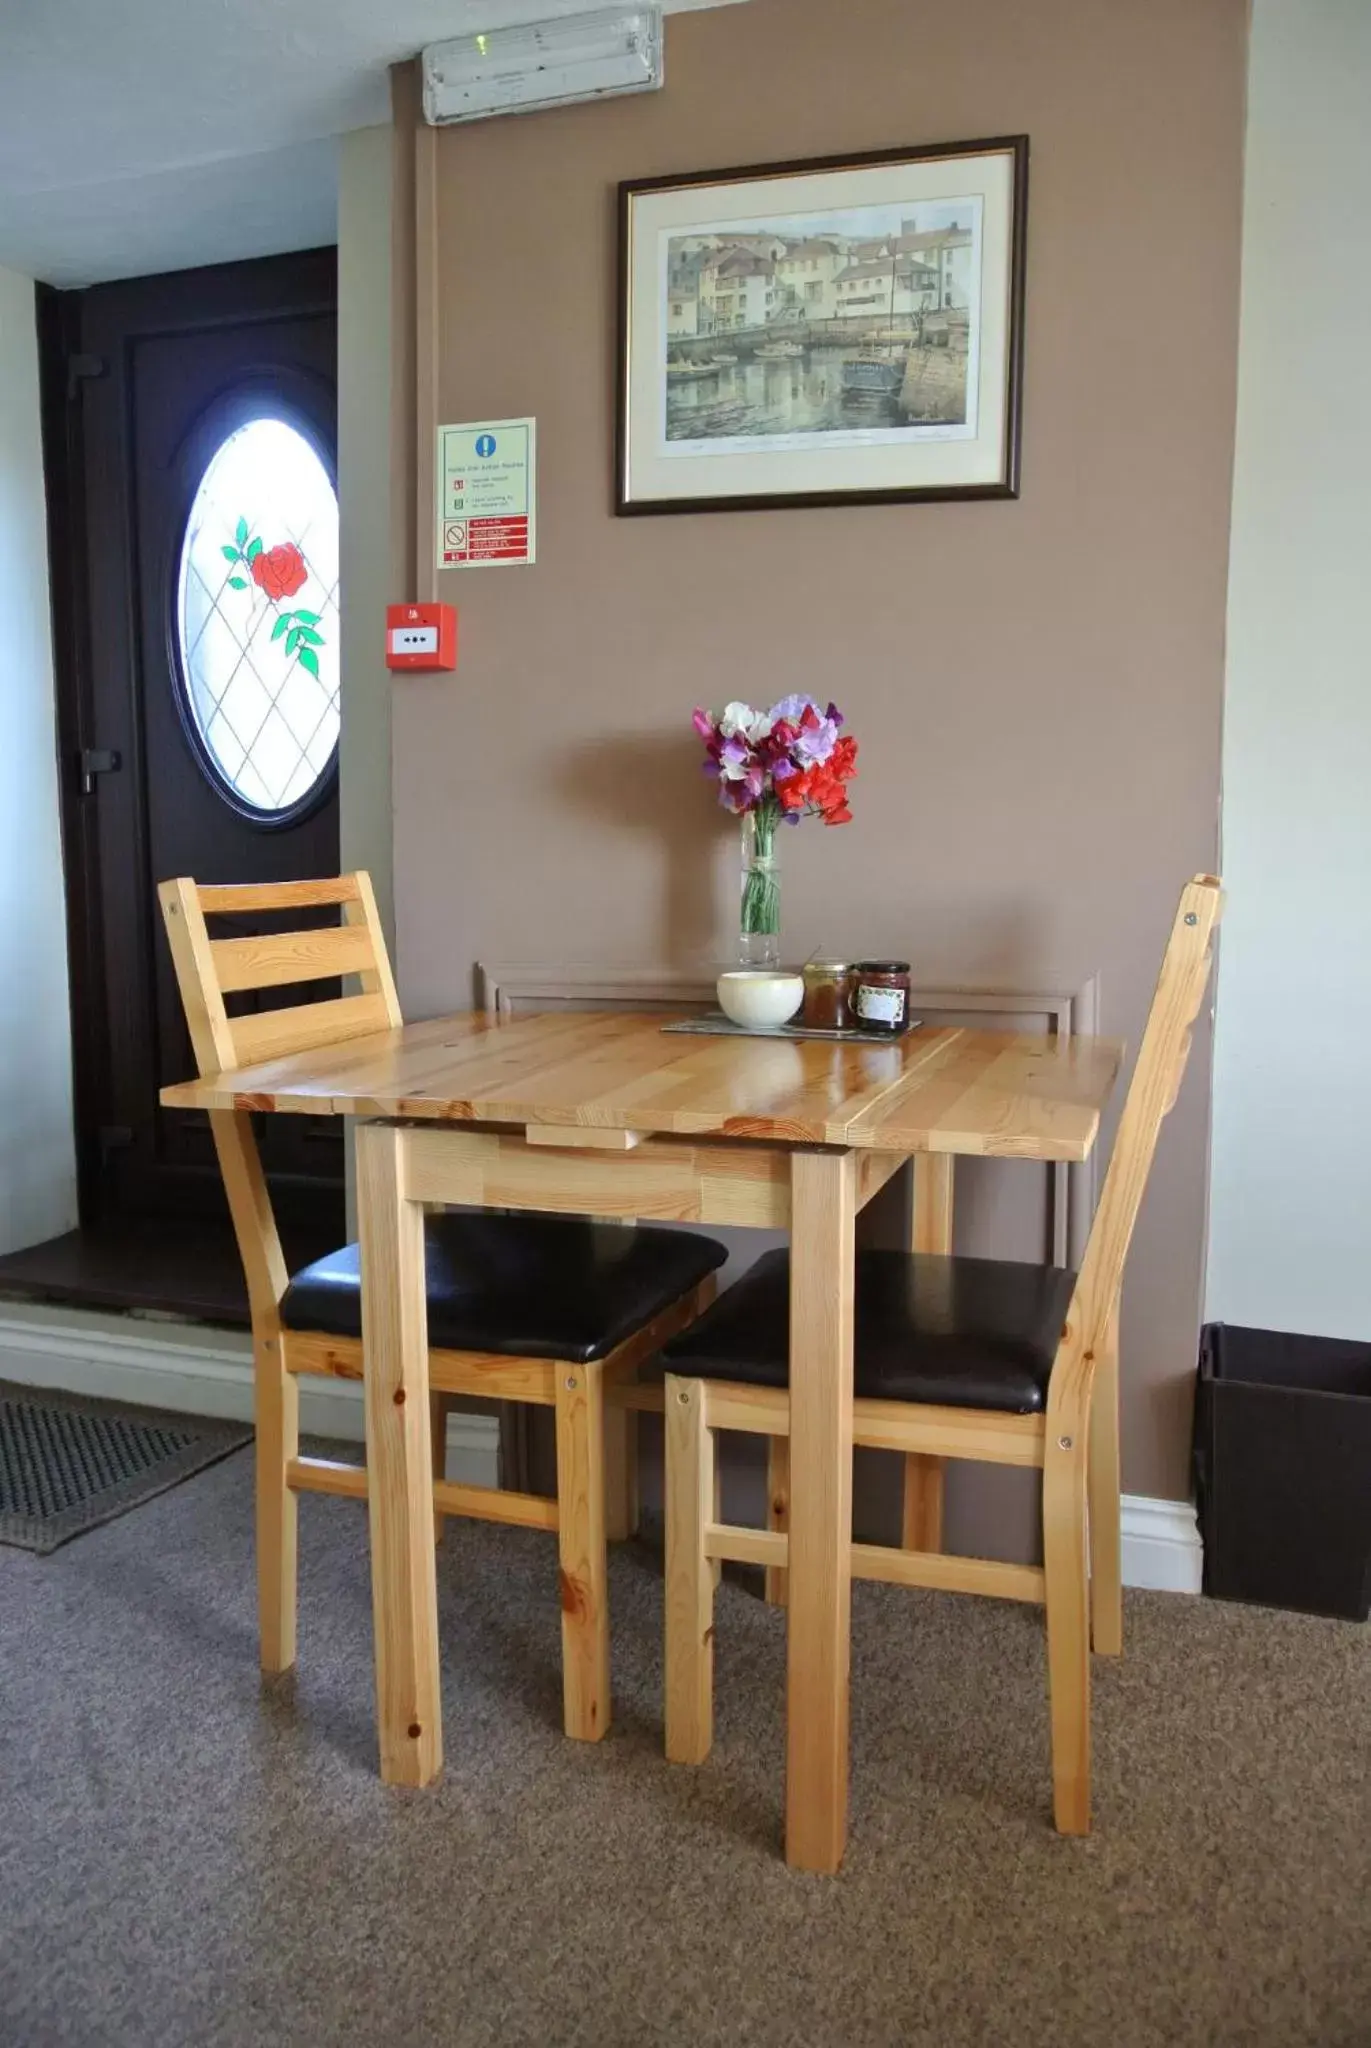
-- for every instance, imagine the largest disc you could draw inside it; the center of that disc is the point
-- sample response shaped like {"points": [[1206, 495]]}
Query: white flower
{"points": [[741, 721]]}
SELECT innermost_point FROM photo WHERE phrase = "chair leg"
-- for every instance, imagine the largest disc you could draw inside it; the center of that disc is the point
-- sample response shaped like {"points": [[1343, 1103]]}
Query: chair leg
{"points": [[1066, 1567], [1106, 1535], [777, 1511], [923, 1502], [621, 1474], [583, 1573], [438, 1405], [689, 1574], [277, 1415]]}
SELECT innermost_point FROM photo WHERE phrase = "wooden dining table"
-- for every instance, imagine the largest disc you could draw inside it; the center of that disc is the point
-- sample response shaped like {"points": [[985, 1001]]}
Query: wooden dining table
{"points": [[606, 1114]]}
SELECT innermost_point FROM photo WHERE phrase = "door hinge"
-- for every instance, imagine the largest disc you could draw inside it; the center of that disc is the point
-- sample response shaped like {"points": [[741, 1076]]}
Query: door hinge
{"points": [[97, 761], [80, 370], [114, 1138]]}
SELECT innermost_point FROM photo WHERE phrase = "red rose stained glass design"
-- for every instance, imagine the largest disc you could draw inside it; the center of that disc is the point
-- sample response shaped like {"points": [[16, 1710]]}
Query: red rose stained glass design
{"points": [[279, 571], [259, 668]]}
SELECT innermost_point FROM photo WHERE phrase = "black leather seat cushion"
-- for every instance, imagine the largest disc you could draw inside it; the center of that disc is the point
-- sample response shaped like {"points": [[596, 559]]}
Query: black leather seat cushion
{"points": [[964, 1333], [525, 1286]]}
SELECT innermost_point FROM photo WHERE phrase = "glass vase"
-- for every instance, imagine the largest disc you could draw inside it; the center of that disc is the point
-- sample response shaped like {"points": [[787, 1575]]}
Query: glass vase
{"points": [[759, 923]]}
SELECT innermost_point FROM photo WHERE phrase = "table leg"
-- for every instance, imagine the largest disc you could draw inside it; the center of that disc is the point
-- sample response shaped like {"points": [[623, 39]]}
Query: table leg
{"points": [[823, 1215], [777, 1510], [621, 1474], [399, 1461], [933, 1187], [924, 1476], [437, 1423]]}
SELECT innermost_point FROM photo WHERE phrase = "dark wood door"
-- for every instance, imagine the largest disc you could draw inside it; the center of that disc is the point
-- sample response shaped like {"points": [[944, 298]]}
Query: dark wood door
{"points": [[191, 435]]}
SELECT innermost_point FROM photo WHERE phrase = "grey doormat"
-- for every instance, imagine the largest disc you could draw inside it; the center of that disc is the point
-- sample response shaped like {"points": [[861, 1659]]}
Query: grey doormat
{"points": [[67, 1464]]}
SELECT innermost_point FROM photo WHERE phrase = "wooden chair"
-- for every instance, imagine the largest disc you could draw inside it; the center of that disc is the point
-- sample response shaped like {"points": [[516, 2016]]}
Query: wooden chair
{"points": [[554, 1311], [965, 1358]]}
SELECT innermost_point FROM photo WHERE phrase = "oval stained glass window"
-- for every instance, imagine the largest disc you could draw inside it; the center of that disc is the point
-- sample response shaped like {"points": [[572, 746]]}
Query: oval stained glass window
{"points": [[257, 618]]}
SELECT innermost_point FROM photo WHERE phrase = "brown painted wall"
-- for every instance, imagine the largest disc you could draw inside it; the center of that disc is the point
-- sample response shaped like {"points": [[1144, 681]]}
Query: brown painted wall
{"points": [[1036, 686]]}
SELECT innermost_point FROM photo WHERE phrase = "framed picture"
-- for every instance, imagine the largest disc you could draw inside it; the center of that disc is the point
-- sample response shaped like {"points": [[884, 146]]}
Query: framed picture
{"points": [[843, 331]]}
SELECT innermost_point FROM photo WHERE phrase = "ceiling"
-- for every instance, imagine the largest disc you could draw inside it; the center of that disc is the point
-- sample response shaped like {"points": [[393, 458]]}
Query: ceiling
{"points": [[157, 134]]}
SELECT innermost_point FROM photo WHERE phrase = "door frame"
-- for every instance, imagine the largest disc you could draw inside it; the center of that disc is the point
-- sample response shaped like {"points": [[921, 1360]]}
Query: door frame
{"points": [[282, 287]]}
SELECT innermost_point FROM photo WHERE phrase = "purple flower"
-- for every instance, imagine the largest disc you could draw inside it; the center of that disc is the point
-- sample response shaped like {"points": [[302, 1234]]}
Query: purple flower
{"points": [[816, 741], [807, 734], [735, 758]]}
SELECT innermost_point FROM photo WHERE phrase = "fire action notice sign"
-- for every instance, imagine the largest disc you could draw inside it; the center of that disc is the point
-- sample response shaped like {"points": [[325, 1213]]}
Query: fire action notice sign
{"points": [[486, 515]]}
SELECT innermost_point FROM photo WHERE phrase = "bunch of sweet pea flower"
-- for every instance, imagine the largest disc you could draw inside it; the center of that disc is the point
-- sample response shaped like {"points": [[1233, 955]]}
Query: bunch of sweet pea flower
{"points": [[790, 762]]}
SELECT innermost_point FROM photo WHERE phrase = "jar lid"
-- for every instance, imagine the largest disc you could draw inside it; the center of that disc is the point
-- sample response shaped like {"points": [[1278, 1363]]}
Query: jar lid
{"points": [[882, 967], [827, 967]]}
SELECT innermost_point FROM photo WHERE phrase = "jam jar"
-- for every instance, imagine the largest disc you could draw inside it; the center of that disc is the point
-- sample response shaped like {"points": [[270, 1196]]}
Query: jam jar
{"points": [[826, 993], [880, 995]]}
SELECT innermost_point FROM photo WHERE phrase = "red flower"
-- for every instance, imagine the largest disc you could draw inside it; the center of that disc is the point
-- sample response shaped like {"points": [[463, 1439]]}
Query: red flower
{"points": [[279, 571], [820, 788], [826, 791]]}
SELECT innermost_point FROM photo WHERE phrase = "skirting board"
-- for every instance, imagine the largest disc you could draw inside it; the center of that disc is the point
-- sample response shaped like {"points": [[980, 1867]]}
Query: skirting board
{"points": [[209, 1372], [1161, 1545], [200, 1372]]}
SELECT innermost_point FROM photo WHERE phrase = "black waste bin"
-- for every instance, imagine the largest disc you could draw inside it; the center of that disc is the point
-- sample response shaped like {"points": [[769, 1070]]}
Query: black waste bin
{"points": [[1283, 1470]]}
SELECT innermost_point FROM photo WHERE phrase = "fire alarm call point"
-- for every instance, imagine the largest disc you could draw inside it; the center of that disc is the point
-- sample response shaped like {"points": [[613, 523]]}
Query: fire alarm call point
{"points": [[421, 636]]}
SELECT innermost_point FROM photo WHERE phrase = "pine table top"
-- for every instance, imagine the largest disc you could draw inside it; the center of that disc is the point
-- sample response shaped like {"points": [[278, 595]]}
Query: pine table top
{"points": [[999, 1094]]}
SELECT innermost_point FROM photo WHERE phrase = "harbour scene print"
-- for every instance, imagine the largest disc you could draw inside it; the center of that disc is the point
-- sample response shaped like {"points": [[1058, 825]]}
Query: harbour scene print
{"points": [[853, 323]]}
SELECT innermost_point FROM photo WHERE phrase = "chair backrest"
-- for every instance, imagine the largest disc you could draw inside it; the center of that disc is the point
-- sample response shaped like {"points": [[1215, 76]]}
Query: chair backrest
{"points": [[1155, 1085], [209, 969]]}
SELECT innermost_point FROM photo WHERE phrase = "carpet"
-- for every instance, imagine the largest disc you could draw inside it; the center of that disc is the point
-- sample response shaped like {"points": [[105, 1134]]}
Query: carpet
{"points": [[191, 1858], [69, 1464]]}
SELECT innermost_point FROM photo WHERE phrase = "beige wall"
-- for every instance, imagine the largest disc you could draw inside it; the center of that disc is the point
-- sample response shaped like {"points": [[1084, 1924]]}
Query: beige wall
{"points": [[368, 572], [1039, 699]]}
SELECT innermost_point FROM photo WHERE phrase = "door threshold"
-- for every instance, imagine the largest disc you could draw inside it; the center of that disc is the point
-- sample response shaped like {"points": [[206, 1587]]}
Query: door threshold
{"points": [[187, 1269]]}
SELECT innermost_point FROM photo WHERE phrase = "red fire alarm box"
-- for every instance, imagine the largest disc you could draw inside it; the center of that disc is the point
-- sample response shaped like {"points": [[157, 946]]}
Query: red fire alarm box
{"points": [[421, 636]]}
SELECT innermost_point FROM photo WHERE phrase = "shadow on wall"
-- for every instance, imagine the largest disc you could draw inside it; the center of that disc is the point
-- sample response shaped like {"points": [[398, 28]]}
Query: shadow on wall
{"points": [[645, 794], [647, 789]]}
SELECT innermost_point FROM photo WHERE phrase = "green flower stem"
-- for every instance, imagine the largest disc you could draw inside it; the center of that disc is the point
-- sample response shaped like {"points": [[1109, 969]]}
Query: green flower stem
{"points": [[761, 905]]}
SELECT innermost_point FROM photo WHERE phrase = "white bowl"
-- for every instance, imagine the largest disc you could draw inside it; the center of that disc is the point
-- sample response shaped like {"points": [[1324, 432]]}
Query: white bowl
{"points": [[760, 997]]}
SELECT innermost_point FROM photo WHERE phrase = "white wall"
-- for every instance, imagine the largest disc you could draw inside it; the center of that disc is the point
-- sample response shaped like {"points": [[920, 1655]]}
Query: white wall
{"points": [[37, 1162], [1290, 1231]]}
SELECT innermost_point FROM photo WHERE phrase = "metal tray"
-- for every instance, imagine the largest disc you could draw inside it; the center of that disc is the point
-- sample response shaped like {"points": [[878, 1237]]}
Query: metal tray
{"points": [[714, 1024]]}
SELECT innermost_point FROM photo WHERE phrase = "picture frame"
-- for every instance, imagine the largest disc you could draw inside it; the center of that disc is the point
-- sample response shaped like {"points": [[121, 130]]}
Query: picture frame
{"points": [[835, 331]]}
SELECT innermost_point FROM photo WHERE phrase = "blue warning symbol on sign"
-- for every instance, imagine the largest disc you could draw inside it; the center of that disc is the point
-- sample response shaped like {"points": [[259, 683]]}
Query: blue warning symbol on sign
{"points": [[485, 444]]}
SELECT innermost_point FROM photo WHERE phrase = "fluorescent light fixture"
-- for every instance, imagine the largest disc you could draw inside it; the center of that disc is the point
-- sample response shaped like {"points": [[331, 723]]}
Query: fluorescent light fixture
{"points": [[543, 64]]}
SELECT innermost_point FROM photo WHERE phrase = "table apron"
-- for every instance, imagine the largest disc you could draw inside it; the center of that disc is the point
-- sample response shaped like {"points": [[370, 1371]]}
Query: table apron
{"points": [[678, 1180]]}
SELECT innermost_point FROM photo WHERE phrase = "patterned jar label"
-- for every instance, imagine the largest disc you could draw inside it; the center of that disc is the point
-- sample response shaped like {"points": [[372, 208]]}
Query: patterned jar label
{"points": [[880, 1005]]}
